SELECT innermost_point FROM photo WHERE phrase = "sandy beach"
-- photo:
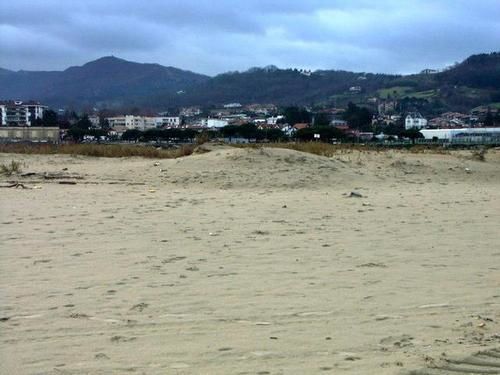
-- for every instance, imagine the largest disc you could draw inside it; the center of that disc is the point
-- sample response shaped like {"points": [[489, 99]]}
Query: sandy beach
{"points": [[250, 261]]}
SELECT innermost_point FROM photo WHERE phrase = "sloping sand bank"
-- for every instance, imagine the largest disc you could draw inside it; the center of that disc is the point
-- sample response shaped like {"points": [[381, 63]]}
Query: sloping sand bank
{"points": [[249, 261]]}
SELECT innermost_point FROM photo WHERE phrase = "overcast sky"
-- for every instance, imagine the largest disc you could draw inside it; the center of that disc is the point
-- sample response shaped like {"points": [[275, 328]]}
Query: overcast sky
{"points": [[211, 37]]}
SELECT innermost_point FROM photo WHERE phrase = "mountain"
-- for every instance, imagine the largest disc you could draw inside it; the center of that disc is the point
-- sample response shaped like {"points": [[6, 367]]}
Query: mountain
{"points": [[473, 82], [278, 86], [481, 71], [112, 82], [108, 81], [5, 71]]}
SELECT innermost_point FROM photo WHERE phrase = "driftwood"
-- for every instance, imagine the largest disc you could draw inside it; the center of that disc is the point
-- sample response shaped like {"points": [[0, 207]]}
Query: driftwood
{"points": [[15, 185], [67, 182]]}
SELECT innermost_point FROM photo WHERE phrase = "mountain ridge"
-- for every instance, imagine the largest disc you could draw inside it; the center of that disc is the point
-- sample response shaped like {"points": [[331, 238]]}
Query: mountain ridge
{"points": [[113, 82]]}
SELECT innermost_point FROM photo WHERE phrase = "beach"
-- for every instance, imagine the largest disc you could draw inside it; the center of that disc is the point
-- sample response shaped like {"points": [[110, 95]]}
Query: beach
{"points": [[249, 261]]}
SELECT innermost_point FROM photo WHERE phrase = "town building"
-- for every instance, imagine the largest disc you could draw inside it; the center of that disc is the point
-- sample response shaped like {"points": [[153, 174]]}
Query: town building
{"points": [[143, 122], [214, 123], [232, 105], [19, 113], [429, 71], [415, 120], [29, 134], [273, 120], [473, 134], [337, 123], [94, 120], [451, 120], [190, 111]]}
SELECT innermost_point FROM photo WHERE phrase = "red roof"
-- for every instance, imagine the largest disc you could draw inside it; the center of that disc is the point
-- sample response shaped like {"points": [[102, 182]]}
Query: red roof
{"points": [[301, 126]]}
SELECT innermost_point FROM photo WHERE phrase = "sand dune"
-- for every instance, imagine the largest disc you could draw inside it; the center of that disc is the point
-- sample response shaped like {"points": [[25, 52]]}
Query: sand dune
{"points": [[250, 261]]}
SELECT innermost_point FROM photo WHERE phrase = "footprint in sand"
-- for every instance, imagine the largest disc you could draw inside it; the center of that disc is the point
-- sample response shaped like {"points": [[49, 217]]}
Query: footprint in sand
{"points": [[400, 341]]}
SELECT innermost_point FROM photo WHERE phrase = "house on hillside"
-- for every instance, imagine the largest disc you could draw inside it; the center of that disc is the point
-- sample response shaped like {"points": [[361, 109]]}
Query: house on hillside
{"points": [[415, 120], [338, 123], [300, 126]]}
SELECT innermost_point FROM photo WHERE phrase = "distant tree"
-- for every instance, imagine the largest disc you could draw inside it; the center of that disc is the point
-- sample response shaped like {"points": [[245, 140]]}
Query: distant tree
{"points": [[358, 117], [76, 134], [305, 134], [248, 131], [496, 120], [37, 122], [488, 120], [229, 131], [321, 119], [275, 135], [393, 129], [412, 134], [49, 118], [295, 115], [104, 123], [132, 135], [83, 123]]}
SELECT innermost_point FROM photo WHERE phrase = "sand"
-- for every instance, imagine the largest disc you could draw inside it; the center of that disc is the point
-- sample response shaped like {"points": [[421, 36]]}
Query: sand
{"points": [[249, 261]]}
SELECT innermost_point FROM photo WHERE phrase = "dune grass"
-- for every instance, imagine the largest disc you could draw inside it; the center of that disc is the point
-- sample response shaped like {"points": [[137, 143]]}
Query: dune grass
{"points": [[120, 150], [329, 150], [97, 150], [14, 167]]}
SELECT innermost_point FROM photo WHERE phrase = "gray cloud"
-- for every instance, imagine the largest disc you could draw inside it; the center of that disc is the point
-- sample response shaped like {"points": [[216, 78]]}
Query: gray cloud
{"points": [[215, 36]]}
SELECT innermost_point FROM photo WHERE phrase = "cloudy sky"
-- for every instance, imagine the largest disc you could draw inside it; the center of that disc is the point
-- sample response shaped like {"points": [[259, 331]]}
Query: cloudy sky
{"points": [[214, 36]]}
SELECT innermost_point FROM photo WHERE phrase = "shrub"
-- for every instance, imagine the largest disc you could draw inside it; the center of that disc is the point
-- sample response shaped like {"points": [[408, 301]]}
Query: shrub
{"points": [[479, 154], [14, 167], [97, 150]]}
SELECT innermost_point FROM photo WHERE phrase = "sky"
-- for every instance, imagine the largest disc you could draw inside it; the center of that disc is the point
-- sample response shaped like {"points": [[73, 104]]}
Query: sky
{"points": [[212, 37]]}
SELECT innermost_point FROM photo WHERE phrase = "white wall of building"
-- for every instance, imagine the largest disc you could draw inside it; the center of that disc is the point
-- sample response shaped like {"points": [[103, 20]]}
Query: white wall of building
{"points": [[451, 133], [143, 122], [214, 123], [415, 121], [274, 119], [21, 113]]}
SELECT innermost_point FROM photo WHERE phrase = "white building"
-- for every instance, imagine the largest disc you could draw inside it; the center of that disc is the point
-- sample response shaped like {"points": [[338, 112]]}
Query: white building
{"points": [[143, 122], [214, 123], [415, 121], [337, 122], [19, 113], [274, 119], [232, 105], [450, 134], [171, 122], [94, 120]]}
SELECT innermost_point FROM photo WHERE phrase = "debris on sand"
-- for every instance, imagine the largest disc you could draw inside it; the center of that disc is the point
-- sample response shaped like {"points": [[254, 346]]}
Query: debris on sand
{"points": [[355, 194], [15, 185]]}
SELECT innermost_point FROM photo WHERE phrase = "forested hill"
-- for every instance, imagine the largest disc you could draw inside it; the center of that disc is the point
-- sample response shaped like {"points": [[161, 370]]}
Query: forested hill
{"points": [[108, 81], [112, 82], [481, 71]]}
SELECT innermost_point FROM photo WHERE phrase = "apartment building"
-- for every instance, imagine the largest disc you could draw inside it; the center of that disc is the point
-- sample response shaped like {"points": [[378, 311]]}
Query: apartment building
{"points": [[143, 122], [19, 113]]}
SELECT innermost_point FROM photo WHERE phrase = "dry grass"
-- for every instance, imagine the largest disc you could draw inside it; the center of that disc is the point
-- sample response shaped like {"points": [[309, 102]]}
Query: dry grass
{"points": [[118, 151], [107, 151], [14, 167], [329, 150], [479, 154]]}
